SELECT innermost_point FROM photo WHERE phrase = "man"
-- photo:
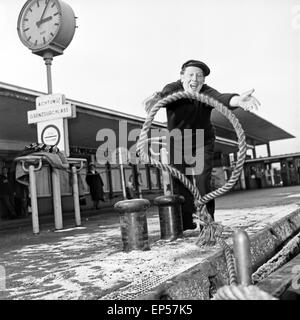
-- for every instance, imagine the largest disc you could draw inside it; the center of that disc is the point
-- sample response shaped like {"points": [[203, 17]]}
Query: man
{"points": [[95, 183], [191, 114]]}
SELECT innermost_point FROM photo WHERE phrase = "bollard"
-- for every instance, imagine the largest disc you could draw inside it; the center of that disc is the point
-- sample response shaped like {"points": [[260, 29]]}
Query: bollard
{"points": [[241, 248], [133, 222], [170, 216]]}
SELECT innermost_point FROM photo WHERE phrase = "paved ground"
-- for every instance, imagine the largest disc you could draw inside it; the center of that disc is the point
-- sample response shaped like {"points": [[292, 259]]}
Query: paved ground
{"points": [[88, 262]]}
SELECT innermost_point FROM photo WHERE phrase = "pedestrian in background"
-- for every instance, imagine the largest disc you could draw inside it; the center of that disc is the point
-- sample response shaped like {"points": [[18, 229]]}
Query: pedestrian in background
{"points": [[95, 183]]}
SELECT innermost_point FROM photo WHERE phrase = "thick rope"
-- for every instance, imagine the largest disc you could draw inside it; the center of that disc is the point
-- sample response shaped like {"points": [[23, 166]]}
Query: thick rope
{"points": [[211, 231], [143, 139], [242, 293]]}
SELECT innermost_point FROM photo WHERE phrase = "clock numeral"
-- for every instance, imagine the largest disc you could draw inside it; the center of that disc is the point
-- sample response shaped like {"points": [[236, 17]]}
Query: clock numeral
{"points": [[30, 9], [44, 39], [53, 4], [29, 38], [25, 29], [35, 42], [55, 14], [51, 34], [56, 24], [38, 4]]}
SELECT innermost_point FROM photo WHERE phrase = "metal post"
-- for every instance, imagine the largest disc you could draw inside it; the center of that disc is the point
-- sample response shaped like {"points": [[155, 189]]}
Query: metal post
{"points": [[33, 199], [242, 179], [48, 57], [76, 197], [241, 247], [122, 173], [56, 199], [166, 179]]}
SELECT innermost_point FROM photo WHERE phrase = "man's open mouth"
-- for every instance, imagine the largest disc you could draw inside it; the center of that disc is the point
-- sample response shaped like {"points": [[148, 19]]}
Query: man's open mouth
{"points": [[194, 87]]}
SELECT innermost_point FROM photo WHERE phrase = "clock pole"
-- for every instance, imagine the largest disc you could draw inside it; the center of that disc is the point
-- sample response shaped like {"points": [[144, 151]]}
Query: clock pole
{"points": [[55, 34], [48, 57]]}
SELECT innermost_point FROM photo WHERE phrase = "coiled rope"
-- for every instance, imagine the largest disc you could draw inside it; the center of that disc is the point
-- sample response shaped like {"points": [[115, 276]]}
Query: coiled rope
{"points": [[211, 231], [242, 293]]}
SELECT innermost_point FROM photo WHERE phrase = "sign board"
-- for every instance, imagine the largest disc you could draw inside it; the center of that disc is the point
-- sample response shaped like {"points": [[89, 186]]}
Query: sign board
{"points": [[51, 113], [50, 100], [50, 135], [51, 116], [54, 132]]}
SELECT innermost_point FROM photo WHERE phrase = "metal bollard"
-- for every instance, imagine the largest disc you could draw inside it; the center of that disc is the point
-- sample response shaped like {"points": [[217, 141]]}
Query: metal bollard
{"points": [[76, 197], [241, 248], [133, 222], [170, 216]]}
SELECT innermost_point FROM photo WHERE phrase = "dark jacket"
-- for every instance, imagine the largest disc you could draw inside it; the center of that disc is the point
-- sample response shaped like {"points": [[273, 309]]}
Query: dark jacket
{"points": [[191, 114], [95, 183]]}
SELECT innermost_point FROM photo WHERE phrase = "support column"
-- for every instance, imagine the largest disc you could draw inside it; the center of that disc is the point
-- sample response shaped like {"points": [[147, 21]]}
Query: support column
{"points": [[56, 194], [76, 197], [254, 153], [268, 149], [33, 200]]}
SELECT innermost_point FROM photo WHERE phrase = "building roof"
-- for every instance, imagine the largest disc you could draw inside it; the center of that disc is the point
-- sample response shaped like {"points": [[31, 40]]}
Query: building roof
{"points": [[15, 101], [255, 127], [274, 158]]}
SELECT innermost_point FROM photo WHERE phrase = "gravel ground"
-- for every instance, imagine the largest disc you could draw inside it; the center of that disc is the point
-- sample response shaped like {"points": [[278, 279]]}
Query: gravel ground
{"points": [[88, 262]]}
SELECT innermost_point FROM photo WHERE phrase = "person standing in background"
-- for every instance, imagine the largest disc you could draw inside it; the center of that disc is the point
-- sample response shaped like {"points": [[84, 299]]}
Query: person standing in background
{"points": [[95, 183]]}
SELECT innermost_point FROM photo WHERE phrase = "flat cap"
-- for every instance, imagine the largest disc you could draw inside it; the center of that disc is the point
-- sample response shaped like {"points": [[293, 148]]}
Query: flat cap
{"points": [[197, 63]]}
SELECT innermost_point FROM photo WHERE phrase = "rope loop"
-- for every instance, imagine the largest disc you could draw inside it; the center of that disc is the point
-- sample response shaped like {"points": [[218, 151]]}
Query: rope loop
{"points": [[210, 230]]}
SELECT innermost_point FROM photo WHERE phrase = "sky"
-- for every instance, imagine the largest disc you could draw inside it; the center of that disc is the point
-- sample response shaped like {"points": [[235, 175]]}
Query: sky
{"points": [[124, 50]]}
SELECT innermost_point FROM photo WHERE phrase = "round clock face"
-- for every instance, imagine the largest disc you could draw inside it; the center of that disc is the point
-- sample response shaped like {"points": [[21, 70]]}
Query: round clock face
{"points": [[39, 21]]}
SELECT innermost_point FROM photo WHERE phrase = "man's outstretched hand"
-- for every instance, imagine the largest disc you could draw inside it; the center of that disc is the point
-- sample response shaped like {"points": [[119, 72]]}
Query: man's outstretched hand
{"points": [[246, 101]]}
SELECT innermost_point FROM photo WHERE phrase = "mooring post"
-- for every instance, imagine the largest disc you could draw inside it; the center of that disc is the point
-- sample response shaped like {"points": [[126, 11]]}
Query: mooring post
{"points": [[242, 253], [133, 222], [170, 216]]}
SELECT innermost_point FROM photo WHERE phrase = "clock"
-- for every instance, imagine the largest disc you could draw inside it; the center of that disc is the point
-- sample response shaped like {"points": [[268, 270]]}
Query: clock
{"points": [[46, 26]]}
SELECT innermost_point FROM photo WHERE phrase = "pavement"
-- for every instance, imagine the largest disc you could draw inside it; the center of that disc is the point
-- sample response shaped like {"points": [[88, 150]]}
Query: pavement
{"points": [[87, 262]]}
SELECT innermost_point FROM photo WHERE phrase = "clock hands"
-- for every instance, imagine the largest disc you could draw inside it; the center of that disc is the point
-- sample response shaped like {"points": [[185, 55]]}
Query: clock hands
{"points": [[38, 23], [43, 20]]}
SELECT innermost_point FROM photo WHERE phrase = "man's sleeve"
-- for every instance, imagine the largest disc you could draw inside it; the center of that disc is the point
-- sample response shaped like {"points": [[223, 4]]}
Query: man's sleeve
{"points": [[224, 98], [171, 88], [167, 90]]}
